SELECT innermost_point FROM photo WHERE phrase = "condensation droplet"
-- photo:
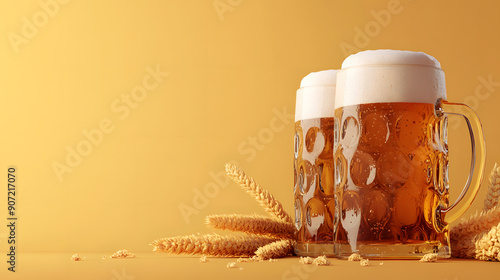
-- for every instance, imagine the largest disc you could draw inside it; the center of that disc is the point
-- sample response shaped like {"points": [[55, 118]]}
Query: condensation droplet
{"points": [[315, 215], [298, 215], [363, 169], [376, 210], [393, 169], [375, 129], [350, 132], [296, 145]]}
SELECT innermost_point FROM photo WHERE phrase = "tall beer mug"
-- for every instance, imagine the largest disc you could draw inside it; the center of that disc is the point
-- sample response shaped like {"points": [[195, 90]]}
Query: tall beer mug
{"points": [[391, 156], [313, 164]]}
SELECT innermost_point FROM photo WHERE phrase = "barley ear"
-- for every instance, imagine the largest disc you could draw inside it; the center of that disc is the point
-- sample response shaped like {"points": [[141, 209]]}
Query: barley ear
{"points": [[493, 193], [265, 199]]}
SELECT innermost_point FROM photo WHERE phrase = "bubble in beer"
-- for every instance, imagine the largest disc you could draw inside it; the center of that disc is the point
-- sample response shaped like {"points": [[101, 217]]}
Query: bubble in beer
{"points": [[410, 131], [350, 132], [407, 205], [376, 209], [325, 170], [411, 190], [375, 131], [363, 169], [315, 213], [393, 169], [298, 214]]}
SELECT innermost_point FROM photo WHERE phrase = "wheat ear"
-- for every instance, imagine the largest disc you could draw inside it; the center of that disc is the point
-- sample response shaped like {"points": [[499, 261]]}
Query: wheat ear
{"points": [[254, 224], [463, 235], [265, 199], [212, 245], [493, 194], [277, 249], [488, 246]]}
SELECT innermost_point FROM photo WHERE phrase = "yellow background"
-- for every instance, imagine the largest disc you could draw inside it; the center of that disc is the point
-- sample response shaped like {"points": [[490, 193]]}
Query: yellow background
{"points": [[229, 72]]}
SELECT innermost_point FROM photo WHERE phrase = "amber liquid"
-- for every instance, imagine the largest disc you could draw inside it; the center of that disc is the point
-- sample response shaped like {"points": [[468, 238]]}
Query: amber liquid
{"points": [[391, 164], [313, 181]]}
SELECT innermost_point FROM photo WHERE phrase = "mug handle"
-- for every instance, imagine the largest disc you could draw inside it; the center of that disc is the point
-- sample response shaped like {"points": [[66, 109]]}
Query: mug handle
{"points": [[477, 161]]}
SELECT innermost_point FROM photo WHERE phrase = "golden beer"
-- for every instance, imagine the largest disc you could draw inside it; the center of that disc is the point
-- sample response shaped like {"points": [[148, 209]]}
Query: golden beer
{"points": [[392, 174], [313, 180], [391, 156], [315, 209]]}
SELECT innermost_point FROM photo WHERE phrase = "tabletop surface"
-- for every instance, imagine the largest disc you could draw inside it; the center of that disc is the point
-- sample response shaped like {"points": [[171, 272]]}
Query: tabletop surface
{"points": [[148, 265]]}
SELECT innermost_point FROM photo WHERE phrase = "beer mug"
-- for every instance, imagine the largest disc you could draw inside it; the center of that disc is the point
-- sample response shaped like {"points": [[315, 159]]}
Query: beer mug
{"points": [[391, 156], [313, 164]]}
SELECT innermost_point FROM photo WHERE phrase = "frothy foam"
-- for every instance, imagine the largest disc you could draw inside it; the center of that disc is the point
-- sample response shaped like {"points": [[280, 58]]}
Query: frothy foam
{"points": [[390, 57], [389, 76], [316, 96], [321, 78]]}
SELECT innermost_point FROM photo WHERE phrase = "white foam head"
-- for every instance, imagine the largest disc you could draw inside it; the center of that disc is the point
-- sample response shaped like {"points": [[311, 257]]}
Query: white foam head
{"points": [[316, 95], [389, 76]]}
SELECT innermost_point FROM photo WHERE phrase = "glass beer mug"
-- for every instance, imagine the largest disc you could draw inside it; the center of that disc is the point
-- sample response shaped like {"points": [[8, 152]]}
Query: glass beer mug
{"points": [[391, 156], [313, 164]]}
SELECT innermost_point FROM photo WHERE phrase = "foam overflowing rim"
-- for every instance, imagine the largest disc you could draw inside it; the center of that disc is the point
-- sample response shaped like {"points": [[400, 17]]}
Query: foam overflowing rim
{"points": [[379, 76], [320, 78], [316, 96], [390, 57]]}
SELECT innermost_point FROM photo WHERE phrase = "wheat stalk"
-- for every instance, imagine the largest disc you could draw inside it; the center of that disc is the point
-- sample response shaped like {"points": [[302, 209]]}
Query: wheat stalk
{"points": [[265, 199], [277, 249], [253, 224], [493, 193], [212, 245], [464, 235]]}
